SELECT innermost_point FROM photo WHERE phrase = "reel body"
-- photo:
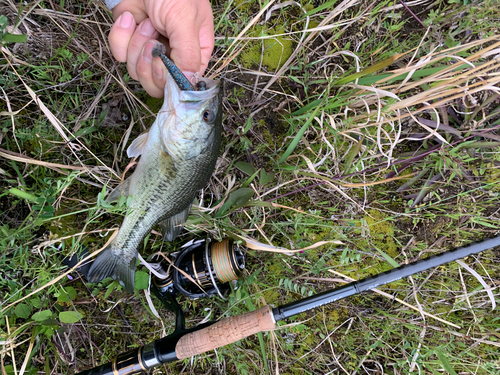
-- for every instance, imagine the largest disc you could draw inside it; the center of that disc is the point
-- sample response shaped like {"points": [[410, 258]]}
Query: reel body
{"points": [[202, 268]]}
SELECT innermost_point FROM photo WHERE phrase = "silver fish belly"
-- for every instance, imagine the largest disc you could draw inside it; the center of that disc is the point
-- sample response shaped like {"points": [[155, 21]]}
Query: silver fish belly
{"points": [[178, 156]]}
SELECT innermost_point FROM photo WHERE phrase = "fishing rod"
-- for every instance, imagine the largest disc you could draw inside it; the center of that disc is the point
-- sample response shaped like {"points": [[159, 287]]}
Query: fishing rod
{"points": [[185, 343]]}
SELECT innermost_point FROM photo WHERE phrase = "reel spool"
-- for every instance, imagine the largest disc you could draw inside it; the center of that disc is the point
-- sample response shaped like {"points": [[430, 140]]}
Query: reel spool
{"points": [[203, 268]]}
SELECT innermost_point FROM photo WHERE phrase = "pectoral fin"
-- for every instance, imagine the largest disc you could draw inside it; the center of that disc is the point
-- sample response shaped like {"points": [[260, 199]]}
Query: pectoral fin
{"points": [[172, 226], [137, 146]]}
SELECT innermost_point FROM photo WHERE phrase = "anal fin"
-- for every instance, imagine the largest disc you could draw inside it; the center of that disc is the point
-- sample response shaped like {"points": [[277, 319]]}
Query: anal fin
{"points": [[172, 226], [122, 189]]}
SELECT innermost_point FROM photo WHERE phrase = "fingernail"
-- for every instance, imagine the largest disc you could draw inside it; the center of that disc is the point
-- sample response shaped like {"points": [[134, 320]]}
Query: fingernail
{"points": [[147, 28], [125, 20]]}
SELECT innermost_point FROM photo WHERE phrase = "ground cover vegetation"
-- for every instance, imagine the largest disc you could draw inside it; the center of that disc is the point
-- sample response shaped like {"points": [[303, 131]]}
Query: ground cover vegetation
{"points": [[370, 127]]}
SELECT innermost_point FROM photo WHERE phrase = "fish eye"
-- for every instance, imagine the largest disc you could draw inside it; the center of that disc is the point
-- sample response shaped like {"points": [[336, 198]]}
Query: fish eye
{"points": [[208, 116]]}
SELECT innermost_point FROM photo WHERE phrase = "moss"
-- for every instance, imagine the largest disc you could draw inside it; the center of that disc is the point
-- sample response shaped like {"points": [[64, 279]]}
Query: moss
{"points": [[275, 53], [313, 24], [271, 130], [382, 232], [243, 5], [329, 319], [275, 269], [154, 104], [270, 295], [238, 93], [492, 176]]}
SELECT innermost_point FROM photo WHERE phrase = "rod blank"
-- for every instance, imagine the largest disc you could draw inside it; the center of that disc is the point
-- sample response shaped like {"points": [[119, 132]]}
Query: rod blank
{"points": [[371, 282]]}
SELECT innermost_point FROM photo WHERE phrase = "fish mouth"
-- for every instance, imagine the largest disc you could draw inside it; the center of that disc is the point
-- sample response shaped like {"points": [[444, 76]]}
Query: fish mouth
{"points": [[211, 91], [180, 79]]}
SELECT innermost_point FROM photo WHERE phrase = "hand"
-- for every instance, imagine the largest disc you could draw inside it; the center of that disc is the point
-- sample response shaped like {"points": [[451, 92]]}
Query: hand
{"points": [[185, 27]]}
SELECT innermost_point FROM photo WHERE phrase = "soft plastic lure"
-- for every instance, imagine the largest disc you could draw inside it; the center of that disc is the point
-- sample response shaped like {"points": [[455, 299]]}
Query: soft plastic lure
{"points": [[177, 75]]}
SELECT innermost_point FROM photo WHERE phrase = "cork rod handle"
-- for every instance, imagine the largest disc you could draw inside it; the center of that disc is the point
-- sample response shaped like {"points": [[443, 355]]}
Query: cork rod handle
{"points": [[225, 331]]}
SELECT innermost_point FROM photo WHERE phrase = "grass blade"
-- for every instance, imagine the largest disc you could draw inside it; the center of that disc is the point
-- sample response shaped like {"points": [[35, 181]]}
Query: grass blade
{"points": [[446, 363], [299, 135], [371, 69]]}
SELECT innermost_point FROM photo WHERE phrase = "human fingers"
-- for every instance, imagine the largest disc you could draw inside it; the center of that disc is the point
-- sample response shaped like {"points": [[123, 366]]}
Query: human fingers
{"points": [[183, 32], [135, 53], [120, 35], [149, 74], [207, 40], [136, 7]]}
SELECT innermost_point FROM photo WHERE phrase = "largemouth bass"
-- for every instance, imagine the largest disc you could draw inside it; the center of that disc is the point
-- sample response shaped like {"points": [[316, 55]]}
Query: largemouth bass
{"points": [[178, 156]]}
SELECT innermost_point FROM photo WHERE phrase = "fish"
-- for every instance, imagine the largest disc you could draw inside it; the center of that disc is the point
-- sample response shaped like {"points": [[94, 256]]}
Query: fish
{"points": [[177, 158]]}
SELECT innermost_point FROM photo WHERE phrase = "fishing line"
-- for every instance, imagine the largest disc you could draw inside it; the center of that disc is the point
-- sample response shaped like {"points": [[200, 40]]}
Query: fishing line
{"points": [[227, 263]]}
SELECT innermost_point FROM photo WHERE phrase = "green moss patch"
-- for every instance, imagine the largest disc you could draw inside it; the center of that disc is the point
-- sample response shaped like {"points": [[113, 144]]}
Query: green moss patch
{"points": [[274, 51], [382, 232]]}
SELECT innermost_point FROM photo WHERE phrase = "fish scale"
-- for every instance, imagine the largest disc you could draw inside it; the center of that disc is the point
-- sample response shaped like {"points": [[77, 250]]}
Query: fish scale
{"points": [[178, 156], [152, 214]]}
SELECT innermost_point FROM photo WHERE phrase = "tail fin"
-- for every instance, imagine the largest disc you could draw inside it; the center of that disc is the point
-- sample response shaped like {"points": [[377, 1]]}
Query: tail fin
{"points": [[107, 264]]}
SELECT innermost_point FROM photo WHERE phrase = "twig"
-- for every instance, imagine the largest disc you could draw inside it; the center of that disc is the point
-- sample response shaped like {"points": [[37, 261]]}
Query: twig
{"points": [[413, 14]]}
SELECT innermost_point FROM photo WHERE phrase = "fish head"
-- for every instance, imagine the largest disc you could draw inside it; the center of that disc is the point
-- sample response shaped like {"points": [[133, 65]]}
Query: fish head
{"points": [[190, 121]]}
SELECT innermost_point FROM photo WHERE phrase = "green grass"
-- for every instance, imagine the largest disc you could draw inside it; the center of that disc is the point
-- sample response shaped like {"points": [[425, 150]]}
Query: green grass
{"points": [[341, 149]]}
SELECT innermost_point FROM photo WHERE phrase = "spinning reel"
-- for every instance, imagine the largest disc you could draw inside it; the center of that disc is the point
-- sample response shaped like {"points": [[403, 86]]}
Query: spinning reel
{"points": [[202, 268]]}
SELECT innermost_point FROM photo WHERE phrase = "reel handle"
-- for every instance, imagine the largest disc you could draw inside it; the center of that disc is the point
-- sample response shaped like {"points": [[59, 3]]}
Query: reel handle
{"points": [[224, 332]]}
